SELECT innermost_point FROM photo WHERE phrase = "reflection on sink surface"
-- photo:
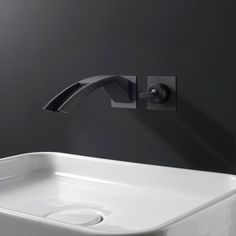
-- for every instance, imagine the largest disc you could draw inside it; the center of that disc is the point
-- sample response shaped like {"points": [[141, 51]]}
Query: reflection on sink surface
{"points": [[66, 195]]}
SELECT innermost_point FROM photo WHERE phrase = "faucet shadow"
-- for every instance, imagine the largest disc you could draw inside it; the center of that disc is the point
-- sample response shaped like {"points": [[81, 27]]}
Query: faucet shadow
{"points": [[194, 136]]}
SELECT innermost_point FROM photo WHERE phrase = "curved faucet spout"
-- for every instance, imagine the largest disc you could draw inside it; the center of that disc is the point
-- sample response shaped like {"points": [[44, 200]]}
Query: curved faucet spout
{"points": [[118, 87]]}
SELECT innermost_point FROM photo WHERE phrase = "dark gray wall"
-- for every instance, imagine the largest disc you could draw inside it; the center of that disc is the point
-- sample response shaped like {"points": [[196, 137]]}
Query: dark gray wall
{"points": [[47, 45]]}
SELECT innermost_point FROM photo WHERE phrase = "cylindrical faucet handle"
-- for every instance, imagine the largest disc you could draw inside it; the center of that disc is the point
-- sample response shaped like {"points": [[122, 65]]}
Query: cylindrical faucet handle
{"points": [[156, 93]]}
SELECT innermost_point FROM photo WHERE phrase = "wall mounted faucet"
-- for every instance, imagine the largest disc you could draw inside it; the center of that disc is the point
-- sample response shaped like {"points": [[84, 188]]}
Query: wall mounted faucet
{"points": [[160, 93], [122, 90]]}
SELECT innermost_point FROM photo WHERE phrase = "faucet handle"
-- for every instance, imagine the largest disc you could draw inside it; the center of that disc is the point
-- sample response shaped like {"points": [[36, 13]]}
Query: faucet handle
{"points": [[149, 94], [156, 93]]}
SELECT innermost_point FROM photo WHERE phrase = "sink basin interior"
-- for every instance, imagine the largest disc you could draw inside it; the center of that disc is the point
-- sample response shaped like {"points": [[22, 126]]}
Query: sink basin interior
{"points": [[108, 196]]}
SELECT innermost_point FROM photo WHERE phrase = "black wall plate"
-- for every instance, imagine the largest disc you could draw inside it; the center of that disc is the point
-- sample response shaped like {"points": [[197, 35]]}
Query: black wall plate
{"points": [[133, 104], [170, 82]]}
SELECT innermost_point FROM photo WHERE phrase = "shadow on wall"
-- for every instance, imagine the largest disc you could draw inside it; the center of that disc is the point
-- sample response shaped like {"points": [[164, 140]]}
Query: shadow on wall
{"points": [[194, 136]]}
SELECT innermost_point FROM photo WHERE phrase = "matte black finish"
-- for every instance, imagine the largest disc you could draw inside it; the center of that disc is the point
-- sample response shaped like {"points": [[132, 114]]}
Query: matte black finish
{"points": [[118, 87], [156, 93], [134, 100], [166, 98], [47, 45]]}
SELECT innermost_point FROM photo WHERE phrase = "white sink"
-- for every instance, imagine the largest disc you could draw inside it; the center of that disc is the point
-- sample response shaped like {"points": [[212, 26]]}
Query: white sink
{"points": [[44, 194]]}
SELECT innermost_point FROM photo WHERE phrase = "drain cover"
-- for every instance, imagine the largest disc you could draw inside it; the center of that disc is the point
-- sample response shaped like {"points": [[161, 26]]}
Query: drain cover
{"points": [[77, 217]]}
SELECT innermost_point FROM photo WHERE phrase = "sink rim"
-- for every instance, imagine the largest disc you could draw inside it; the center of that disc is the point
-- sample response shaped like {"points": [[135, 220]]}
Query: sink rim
{"points": [[84, 229]]}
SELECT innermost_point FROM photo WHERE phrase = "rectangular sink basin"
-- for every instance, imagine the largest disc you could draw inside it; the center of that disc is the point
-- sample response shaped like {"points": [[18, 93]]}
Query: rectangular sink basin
{"points": [[45, 194]]}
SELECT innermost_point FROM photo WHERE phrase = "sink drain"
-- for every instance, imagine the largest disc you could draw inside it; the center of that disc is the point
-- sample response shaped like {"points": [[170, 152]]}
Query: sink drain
{"points": [[77, 217]]}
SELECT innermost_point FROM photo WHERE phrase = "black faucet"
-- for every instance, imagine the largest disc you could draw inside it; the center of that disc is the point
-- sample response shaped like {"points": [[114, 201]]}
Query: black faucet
{"points": [[118, 87]]}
